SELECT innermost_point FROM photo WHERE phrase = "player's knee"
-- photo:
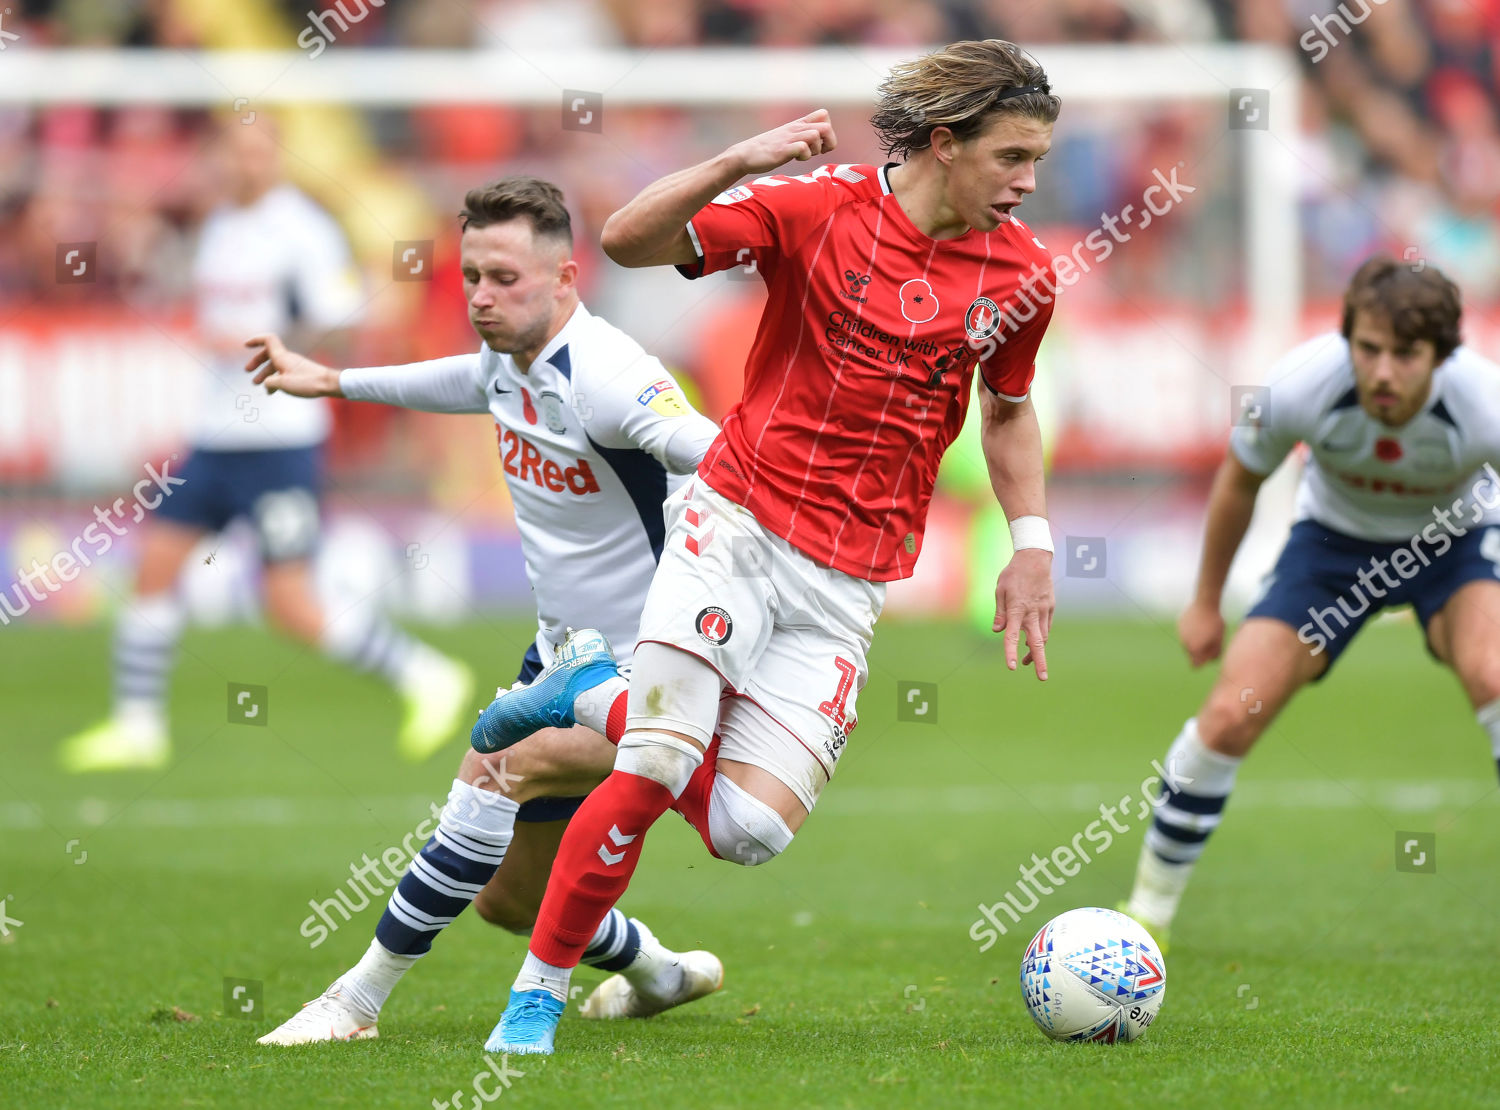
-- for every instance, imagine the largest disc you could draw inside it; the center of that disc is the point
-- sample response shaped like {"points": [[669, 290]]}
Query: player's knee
{"points": [[742, 828], [659, 757], [1481, 678], [1230, 726], [474, 767], [509, 773], [504, 910]]}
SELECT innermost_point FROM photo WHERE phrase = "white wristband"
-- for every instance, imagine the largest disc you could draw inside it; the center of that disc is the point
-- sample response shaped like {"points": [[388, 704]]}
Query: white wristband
{"points": [[1030, 531]]}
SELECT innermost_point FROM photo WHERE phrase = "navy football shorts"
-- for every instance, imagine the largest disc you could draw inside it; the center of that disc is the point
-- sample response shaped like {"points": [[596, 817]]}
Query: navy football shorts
{"points": [[277, 491], [1315, 587]]}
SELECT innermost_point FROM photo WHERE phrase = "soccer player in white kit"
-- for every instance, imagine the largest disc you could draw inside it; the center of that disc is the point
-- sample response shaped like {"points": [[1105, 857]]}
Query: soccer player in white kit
{"points": [[267, 259], [1399, 504], [593, 434]]}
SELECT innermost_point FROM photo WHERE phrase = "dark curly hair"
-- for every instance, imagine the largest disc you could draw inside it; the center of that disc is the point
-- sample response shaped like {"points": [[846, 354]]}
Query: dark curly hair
{"points": [[1418, 300]]}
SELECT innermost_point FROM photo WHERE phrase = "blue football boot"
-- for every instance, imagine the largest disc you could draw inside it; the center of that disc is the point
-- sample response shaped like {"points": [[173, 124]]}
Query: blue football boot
{"points": [[527, 1026], [582, 662]]}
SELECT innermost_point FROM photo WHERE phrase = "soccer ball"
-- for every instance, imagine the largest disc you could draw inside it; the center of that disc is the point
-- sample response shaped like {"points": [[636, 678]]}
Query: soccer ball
{"points": [[1093, 975]]}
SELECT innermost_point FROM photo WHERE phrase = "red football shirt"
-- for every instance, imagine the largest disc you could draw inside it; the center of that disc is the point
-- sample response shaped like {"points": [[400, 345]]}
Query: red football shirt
{"points": [[860, 372]]}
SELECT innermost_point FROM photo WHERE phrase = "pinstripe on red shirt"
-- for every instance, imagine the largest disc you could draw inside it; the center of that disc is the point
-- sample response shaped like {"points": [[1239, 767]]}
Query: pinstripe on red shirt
{"points": [[860, 373]]}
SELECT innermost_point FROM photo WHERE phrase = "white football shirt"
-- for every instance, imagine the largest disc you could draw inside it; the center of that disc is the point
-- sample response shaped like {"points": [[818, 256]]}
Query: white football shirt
{"points": [[265, 267], [1363, 478], [592, 437]]}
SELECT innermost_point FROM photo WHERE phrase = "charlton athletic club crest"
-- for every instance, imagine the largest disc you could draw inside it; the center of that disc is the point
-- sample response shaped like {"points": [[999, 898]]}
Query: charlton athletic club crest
{"points": [[714, 625], [983, 318]]}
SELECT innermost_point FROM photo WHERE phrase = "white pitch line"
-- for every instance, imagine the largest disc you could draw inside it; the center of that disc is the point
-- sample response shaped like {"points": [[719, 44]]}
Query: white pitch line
{"points": [[398, 811], [261, 812], [1395, 795]]}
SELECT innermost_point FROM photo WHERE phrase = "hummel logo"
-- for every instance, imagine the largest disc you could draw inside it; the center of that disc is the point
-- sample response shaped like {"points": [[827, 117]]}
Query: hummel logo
{"points": [[703, 522], [855, 285], [620, 840]]}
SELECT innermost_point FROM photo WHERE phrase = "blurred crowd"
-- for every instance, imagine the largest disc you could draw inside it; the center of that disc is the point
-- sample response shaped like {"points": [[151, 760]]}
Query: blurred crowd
{"points": [[1399, 150], [1401, 146]]}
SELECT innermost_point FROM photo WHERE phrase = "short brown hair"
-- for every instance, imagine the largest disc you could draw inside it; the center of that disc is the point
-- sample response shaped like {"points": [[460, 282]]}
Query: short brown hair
{"points": [[961, 87], [1418, 300], [538, 202]]}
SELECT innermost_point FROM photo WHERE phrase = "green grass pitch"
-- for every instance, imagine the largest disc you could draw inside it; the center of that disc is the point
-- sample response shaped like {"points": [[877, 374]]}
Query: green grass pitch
{"points": [[1306, 969]]}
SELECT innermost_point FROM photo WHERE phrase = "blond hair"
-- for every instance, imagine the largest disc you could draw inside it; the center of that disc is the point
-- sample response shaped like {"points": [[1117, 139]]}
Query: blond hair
{"points": [[961, 87]]}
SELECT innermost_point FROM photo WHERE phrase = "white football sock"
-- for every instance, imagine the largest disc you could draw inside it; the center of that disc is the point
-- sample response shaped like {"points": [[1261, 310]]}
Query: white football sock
{"points": [[539, 975], [369, 983], [1489, 720], [1158, 888], [366, 640], [1190, 808], [145, 642], [591, 708], [656, 969]]}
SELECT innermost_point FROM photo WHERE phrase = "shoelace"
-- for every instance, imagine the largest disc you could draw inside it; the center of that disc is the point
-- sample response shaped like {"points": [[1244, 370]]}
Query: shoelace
{"points": [[529, 1010], [312, 1013]]}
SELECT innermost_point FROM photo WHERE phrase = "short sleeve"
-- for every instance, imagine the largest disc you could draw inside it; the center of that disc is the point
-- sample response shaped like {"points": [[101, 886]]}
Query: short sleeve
{"points": [[1009, 371], [1274, 418], [754, 225], [1470, 386], [1258, 441]]}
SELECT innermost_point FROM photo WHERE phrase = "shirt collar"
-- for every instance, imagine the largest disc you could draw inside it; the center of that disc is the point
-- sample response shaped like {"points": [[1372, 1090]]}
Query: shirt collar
{"points": [[575, 323]]}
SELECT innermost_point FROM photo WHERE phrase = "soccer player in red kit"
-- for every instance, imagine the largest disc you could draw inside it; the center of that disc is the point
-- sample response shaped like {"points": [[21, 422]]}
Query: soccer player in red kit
{"points": [[889, 287]]}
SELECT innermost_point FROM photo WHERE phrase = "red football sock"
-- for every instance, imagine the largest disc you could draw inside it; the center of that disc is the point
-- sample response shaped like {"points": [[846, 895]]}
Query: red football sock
{"points": [[693, 802], [594, 864], [614, 726]]}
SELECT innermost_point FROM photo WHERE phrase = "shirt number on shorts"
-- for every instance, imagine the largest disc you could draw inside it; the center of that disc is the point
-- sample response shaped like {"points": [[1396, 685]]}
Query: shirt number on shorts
{"points": [[833, 708]]}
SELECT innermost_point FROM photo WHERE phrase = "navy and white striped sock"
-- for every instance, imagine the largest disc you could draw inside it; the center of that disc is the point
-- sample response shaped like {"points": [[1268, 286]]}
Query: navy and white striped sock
{"points": [[473, 833], [474, 830], [1190, 808], [145, 643], [369, 642], [615, 943]]}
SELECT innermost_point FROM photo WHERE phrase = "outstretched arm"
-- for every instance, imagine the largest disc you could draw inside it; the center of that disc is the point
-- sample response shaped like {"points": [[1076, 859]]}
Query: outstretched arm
{"points": [[1231, 504], [1012, 442], [652, 229], [277, 367], [440, 385]]}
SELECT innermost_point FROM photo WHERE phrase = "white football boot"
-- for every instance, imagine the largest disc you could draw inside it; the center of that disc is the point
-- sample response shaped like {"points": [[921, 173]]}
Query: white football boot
{"points": [[617, 997], [326, 1018]]}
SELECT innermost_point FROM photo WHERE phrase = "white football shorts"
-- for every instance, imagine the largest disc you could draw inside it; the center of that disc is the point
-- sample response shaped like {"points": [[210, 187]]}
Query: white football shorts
{"points": [[788, 636]]}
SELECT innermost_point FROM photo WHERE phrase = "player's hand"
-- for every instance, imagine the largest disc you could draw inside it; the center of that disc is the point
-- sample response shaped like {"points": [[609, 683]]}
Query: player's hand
{"points": [[285, 370], [1201, 630], [801, 139], [1024, 603]]}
